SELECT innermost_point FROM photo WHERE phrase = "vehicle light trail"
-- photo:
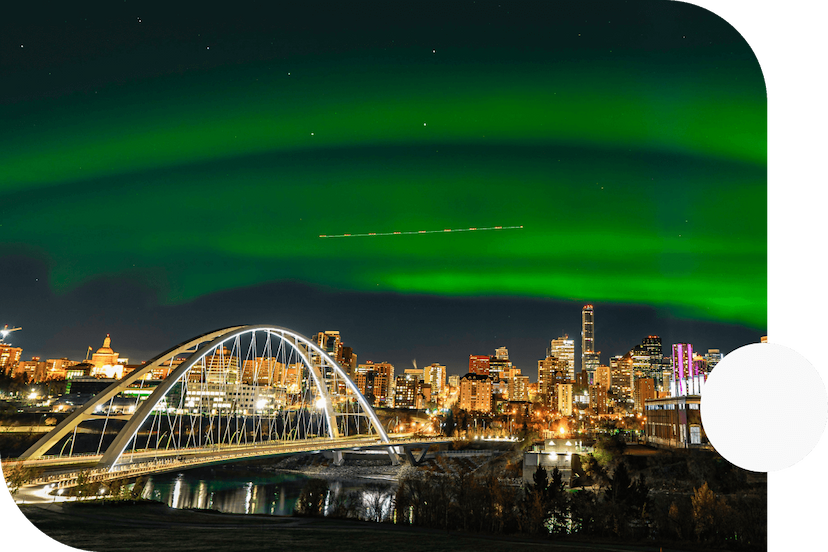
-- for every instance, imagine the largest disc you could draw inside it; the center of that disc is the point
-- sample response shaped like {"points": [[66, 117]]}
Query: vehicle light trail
{"points": [[371, 234]]}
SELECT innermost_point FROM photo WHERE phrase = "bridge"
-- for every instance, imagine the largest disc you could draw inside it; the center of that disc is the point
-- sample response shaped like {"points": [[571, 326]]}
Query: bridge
{"points": [[233, 394]]}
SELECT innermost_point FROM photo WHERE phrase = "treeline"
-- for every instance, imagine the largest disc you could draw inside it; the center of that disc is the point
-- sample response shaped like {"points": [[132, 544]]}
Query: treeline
{"points": [[618, 508]]}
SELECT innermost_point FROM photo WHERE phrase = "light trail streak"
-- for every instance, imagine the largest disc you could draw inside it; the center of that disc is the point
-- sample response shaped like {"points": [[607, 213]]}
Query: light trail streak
{"points": [[371, 234]]}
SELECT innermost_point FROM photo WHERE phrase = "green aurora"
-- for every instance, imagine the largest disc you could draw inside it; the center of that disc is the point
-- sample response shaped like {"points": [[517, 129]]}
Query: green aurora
{"points": [[637, 181]]}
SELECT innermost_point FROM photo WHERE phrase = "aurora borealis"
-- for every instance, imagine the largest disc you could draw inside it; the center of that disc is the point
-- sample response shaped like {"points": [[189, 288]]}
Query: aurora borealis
{"points": [[194, 155]]}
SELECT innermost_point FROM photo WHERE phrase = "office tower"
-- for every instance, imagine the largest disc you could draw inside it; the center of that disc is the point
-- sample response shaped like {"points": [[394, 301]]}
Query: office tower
{"points": [[590, 358], [564, 348], [479, 364], [454, 381]]}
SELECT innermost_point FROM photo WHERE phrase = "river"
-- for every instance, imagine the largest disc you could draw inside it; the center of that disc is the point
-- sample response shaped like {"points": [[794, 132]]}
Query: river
{"points": [[244, 491]]}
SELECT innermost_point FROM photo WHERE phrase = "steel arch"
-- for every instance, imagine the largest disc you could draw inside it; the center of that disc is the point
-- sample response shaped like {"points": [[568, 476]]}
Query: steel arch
{"points": [[116, 448], [85, 412], [216, 338]]}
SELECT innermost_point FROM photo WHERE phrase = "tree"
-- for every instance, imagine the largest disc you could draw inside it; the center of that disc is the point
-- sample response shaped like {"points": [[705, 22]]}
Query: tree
{"points": [[449, 424], [709, 512], [19, 475], [312, 498]]}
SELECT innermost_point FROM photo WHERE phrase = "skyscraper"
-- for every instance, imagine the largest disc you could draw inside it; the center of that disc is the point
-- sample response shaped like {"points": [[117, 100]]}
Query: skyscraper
{"points": [[590, 359], [563, 349]]}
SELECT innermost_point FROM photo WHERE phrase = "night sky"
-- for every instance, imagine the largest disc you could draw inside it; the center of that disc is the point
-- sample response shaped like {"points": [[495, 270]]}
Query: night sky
{"points": [[168, 171]]}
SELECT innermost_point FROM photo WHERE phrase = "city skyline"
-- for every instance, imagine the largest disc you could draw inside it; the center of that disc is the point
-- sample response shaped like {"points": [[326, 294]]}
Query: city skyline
{"points": [[181, 167], [457, 365]]}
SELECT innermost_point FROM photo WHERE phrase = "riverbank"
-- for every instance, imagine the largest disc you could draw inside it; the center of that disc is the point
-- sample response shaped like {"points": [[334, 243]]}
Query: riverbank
{"points": [[147, 526]]}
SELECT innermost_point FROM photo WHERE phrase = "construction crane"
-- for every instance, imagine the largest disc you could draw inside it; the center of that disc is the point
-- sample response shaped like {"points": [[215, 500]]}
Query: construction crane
{"points": [[6, 331]]}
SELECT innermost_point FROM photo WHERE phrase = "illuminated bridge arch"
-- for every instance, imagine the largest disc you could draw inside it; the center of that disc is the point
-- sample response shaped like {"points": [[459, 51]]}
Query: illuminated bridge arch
{"points": [[241, 386]]}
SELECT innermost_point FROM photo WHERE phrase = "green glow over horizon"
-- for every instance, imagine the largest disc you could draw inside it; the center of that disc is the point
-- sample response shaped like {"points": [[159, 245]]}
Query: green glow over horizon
{"points": [[633, 186]]}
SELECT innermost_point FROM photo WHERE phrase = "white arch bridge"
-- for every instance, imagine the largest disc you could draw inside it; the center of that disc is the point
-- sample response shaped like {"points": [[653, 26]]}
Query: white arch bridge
{"points": [[232, 394]]}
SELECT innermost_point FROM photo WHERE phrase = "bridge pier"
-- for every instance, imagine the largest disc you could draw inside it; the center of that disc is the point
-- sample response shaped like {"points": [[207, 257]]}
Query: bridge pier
{"points": [[409, 454], [338, 458]]}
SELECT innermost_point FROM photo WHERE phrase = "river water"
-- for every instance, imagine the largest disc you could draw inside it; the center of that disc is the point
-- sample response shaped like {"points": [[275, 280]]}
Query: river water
{"points": [[239, 491]]}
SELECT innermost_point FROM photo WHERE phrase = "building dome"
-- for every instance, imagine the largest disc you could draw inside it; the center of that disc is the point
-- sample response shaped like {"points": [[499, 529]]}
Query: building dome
{"points": [[105, 350]]}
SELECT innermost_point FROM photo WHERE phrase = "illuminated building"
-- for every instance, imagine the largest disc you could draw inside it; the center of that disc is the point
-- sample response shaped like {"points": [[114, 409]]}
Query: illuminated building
{"points": [[106, 362], [220, 366], [476, 393], [603, 377], [590, 358], [9, 357], [499, 368], [686, 379], [479, 364], [644, 391], [564, 349], [241, 398], [56, 368], [262, 371], [424, 395], [712, 358], [435, 375], [621, 370], [564, 396], [34, 370], [517, 388], [417, 373], [454, 381], [675, 422], [551, 371], [405, 391], [598, 399], [502, 353], [375, 379]]}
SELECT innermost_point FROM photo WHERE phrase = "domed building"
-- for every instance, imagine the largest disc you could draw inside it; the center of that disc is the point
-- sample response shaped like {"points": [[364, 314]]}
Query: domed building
{"points": [[105, 362]]}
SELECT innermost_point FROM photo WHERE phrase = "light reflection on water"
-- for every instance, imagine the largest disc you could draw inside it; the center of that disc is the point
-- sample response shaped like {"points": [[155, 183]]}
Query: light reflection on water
{"points": [[257, 493]]}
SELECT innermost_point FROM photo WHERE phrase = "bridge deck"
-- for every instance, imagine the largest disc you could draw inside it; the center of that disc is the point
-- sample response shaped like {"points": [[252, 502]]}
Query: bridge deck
{"points": [[144, 462]]}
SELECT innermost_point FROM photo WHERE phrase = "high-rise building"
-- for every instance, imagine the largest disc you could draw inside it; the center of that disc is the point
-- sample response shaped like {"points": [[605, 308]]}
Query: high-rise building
{"points": [[590, 358], [405, 391], [435, 374], [564, 393], [551, 371], [502, 353], [621, 371], [598, 398], [476, 392], [499, 368], [713, 357], [454, 381], [564, 349], [479, 364], [9, 357], [686, 378], [644, 391], [376, 379], [517, 389], [603, 377]]}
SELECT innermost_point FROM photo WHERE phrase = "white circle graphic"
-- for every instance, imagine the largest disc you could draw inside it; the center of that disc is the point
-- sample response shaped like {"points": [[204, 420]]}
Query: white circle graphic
{"points": [[764, 407]]}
